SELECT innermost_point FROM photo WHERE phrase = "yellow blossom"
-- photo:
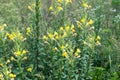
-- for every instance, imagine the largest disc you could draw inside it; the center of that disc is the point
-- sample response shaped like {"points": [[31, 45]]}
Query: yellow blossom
{"points": [[78, 24], [12, 75], [12, 58], [60, 1], [29, 69], [55, 48], [73, 30], [50, 8], [90, 22], [64, 54], [18, 53], [69, 1], [4, 25], [67, 28], [29, 7], [62, 47], [11, 36], [44, 37], [85, 5], [98, 38], [1, 28], [28, 30], [55, 33], [50, 35], [61, 29], [78, 50], [98, 43], [59, 8], [83, 20], [24, 51]]}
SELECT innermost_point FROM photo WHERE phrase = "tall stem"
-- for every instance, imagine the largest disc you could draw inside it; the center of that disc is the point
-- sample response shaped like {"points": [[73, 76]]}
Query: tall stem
{"points": [[37, 31]]}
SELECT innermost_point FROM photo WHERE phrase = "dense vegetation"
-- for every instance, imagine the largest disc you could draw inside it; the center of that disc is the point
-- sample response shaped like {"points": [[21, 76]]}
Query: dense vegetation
{"points": [[60, 40]]}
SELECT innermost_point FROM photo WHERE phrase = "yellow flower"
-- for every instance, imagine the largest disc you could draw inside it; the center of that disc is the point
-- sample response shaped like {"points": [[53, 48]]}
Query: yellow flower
{"points": [[98, 43], [44, 37], [69, 1], [59, 8], [4, 25], [18, 53], [90, 22], [83, 20], [62, 47], [55, 48], [29, 69], [78, 50], [12, 75], [28, 30], [50, 35], [84, 42], [61, 29], [29, 7], [67, 28], [12, 58], [11, 36], [50, 8], [64, 54], [85, 5], [55, 33], [24, 51], [73, 30], [1, 28], [60, 1], [98, 38], [78, 24]]}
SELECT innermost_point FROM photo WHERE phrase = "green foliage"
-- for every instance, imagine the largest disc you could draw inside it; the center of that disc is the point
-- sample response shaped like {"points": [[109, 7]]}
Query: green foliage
{"points": [[59, 40]]}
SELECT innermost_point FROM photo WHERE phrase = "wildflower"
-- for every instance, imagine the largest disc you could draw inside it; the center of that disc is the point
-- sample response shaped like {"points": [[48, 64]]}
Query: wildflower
{"points": [[84, 42], [64, 54], [29, 8], [83, 20], [12, 58], [90, 22], [68, 1], [4, 25], [50, 8], [98, 43], [98, 38], [24, 51], [55, 33], [8, 61], [11, 36], [73, 30], [12, 75], [64, 34], [60, 1], [85, 5], [50, 35], [59, 8], [55, 48], [77, 55], [28, 30], [78, 50], [29, 69], [44, 37], [72, 26], [1, 28], [61, 29], [62, 47], [78, 24], [67, 28], [18, 53]]}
